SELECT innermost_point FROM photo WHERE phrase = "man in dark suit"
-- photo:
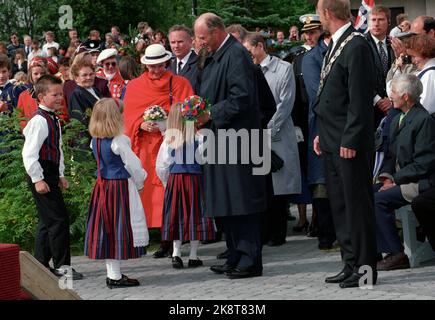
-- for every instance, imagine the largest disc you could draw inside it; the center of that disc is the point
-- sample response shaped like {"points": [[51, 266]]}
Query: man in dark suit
{"points": [[185, 62], [233, 193], [344, 111], [384, 57]]}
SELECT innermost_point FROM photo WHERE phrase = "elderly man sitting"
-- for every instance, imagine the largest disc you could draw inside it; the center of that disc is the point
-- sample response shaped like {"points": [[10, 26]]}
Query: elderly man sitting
{"points": [[410, 160]]}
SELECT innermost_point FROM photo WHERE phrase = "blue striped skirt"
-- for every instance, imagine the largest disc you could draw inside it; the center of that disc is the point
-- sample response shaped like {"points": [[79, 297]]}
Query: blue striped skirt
{"points": [[183, 209], [108, 229]]}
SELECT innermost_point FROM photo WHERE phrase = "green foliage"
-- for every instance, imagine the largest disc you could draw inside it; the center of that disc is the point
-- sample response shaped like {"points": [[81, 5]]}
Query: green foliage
{"points": [[35, 16], [18, 215]]}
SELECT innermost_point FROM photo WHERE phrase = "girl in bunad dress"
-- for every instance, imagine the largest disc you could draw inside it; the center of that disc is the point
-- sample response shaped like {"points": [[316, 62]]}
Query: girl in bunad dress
{"points": [[116, 227], [180, 173]]}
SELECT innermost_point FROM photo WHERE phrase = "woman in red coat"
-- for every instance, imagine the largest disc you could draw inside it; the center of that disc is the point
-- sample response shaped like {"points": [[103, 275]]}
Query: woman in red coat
{"points": [[157, 86], [27, 103]]}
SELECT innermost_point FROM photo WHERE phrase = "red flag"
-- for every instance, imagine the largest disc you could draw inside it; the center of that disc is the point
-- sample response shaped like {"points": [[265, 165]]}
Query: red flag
{"points": [[361, 22]]}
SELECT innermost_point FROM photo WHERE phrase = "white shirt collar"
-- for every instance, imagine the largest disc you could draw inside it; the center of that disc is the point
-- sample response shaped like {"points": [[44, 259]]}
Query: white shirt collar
{"points": [[377, 40], [184, 60], [46, 108], [266, 61], [337, 35], [225, 40]]}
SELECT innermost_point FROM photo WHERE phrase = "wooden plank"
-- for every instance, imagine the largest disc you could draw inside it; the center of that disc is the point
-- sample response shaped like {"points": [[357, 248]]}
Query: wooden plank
{"points": [[40, 283]]}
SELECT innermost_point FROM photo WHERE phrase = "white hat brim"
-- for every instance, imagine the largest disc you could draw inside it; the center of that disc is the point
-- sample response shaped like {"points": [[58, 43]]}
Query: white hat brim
{"points": [[106, 54], [156, 60]]}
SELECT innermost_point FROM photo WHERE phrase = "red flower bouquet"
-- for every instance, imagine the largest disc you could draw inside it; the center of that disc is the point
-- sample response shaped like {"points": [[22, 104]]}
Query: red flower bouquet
{"points": [[193, 107]]}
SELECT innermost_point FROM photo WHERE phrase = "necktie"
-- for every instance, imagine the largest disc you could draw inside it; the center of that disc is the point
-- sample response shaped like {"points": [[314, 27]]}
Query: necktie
{"points": [[402, 116], [328, 53], [180, 66], [384, 58]]}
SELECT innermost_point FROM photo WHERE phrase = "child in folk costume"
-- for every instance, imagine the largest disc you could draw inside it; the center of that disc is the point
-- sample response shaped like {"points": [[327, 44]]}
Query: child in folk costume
{"points": [[116, 226], [183, 209], [44, 163]]}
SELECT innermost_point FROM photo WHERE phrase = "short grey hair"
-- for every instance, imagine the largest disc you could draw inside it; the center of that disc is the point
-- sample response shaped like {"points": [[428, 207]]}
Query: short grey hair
{"points": [[212, 21], [181, 27], [409, 84]]}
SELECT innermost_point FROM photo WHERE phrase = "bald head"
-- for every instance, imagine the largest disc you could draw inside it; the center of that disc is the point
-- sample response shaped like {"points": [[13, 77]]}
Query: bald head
{"points": [[211, 20], [423, 25], [209, 31]]}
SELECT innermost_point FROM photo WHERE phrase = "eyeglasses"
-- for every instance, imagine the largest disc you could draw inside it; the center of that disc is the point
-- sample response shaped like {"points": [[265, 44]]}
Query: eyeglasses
{"points": [[87, 75], [108, 64]]}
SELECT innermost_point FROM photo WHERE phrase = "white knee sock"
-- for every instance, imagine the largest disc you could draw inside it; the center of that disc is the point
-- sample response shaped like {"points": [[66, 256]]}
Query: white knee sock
{"points": [[113, 269], [194, 249], [177, 248]]}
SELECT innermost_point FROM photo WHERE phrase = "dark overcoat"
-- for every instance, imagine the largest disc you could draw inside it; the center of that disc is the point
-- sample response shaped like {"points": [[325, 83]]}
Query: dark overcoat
{"points": [[228, 81]]}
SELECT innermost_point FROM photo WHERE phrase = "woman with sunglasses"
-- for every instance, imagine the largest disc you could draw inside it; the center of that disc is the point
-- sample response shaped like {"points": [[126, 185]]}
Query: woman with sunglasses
{"points": [[110, 72]]}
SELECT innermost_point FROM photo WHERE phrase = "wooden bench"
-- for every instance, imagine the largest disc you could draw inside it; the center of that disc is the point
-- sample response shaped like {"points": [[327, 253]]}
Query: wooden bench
{"points": [[416, 251]]}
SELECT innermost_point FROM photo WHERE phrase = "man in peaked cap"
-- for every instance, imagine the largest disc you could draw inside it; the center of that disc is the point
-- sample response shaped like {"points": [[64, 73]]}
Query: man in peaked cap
{"points": [[312, 29]]}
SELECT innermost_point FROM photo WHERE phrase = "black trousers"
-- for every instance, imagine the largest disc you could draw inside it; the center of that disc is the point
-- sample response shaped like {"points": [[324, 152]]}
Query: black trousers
{"points": [[424, 208], [243, 238], [349, 186], [52, 238], [325, 222], [277, 218]]}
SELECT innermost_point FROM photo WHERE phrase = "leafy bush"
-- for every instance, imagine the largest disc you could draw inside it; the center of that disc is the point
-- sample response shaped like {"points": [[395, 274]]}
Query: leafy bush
{"points": [[18, 216]]}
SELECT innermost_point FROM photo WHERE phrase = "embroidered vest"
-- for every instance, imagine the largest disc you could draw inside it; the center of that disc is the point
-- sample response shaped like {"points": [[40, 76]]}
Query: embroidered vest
{"points": [[50, 150]]}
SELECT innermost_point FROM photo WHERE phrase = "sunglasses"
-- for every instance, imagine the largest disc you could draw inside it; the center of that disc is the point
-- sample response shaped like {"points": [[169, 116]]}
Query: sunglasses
{"points": [[108, 64]]}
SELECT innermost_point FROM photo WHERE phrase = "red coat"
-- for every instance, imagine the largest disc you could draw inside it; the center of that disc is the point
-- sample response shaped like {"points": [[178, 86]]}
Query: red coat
{"points": [[141, 93], [116, 85], [27, 107]]}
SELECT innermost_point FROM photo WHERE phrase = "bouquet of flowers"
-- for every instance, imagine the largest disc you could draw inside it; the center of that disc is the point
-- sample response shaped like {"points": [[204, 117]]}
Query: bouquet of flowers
{"points": [[193, 107], [154, 113], [157, 115]]}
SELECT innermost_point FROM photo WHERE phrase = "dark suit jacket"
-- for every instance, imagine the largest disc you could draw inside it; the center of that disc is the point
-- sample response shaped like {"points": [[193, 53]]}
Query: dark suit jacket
{"points": [[189, 71], [81, 103], [412, 147], [344, 108], [381, 85]]}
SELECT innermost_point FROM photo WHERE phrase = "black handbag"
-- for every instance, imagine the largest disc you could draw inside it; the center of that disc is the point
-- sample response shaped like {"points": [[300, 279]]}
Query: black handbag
{"points": [[276, 162]]}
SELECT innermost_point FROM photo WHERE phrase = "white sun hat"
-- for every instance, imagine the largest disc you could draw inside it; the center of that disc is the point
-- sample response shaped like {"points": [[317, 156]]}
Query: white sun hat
{"points": [[155, 54], [106, 54]]}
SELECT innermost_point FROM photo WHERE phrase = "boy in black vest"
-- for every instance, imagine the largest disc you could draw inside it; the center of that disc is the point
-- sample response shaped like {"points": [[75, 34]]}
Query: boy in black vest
{"points": [[44, 163]]}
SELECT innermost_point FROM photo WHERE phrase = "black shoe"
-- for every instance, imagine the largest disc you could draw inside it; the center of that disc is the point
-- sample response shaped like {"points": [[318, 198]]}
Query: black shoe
{"points": [[121, 283], [354, 280], [301, 228], [67, 272], [275, 243], [290, 217], [161, 253], [223, 255], [209, 241], [240, 273], [194, 263], [221, 268], [340, 277], [177, 263]]}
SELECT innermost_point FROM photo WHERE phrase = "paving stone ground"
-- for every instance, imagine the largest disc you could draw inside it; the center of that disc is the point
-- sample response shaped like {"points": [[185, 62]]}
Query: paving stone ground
{"points": [[295, 270]]}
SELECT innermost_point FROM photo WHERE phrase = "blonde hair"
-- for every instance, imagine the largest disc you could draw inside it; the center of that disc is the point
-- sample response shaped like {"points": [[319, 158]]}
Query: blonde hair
{"points": [[178, 131], [107, 120]]}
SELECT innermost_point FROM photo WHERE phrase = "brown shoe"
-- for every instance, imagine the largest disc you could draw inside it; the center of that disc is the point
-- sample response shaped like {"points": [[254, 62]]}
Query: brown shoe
{"points": [[393, 261]]}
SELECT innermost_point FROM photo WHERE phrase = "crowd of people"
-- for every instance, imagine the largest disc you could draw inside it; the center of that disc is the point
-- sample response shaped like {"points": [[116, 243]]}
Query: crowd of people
{"points": [[349, 116]]}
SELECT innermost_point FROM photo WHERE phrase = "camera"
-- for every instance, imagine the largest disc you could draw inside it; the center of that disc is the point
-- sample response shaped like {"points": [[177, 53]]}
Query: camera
{"points": [[406, 59]]}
